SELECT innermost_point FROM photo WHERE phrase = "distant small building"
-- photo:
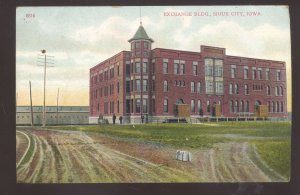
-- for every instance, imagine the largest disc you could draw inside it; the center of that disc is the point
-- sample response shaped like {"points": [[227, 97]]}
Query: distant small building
{"points": [[64, 115]]}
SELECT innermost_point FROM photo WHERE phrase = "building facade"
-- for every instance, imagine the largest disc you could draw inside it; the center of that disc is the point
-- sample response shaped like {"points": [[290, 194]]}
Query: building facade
{"points": [[61, 115], [146, 82]]}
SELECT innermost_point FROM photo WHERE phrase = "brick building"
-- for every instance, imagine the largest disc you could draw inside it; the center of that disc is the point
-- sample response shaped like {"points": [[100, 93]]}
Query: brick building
{"points": [[146, 82]]}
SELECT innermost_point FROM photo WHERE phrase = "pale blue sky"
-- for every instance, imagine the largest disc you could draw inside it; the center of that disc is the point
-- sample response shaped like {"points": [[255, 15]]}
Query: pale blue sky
{"points": [[81, 37]]}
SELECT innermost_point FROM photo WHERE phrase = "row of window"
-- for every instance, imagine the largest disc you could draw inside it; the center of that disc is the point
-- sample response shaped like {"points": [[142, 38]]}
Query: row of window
{"points": [[105, 91], [257, 73], [234, 89], [137, 45], [275, 106], [109, 107], [106, 75]]}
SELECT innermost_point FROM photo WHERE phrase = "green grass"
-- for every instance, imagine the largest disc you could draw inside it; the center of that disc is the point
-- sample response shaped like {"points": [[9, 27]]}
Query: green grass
{"points": [[28, 154], [277, 154], [187, 135]]}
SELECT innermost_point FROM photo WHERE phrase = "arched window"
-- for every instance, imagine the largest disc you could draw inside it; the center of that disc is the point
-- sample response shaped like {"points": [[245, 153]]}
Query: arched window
{"points": [[281, 91], [236, 106], [231, 106], [236, 89], [273, 107], [246, 90], [269, 106], [242, 106], [208, 106], [199, 106], [230, 88], [192, 87], [192, 105], [247, 106], [166, 86], [268, 90], [199, 87], [281, 107], [276, 91], [165, 105], [277, 106]]}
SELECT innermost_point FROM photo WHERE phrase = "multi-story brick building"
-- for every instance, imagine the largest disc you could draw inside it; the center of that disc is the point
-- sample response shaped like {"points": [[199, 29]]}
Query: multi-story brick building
{"points": [[151, 82]]}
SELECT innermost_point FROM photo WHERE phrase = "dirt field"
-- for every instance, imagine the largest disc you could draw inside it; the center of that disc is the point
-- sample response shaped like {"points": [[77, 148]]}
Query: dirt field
{"points": [[79, 157]]}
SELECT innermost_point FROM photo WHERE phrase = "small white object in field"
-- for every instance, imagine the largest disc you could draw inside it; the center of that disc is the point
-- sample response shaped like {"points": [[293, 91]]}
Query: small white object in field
{"points": [[187, 139], [183, 155], [133, 126]]}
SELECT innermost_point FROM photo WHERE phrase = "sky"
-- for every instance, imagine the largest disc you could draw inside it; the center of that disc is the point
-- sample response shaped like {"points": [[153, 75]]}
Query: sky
{"points": [[79, 38]]}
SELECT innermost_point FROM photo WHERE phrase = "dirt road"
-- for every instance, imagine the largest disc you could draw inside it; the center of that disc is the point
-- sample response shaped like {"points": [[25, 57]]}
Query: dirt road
{"points": [[78, 157]]}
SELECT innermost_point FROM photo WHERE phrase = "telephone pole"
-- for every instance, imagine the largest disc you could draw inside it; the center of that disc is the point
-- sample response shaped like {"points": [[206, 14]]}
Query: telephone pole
{"points": [[31, 111], [57, 106], [44, 101]]}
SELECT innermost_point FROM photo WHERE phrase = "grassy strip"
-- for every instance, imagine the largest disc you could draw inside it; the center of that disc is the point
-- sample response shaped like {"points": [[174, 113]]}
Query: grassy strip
{"points": [[187, 135], [28, 154], [277, 154]]}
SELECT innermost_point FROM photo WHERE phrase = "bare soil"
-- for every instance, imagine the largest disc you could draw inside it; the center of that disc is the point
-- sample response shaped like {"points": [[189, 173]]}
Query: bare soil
{"points": [[78, 157]]}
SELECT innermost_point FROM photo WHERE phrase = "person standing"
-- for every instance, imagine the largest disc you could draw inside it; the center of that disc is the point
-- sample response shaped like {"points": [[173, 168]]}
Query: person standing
{"points": [[114, 119], [121, 118]]}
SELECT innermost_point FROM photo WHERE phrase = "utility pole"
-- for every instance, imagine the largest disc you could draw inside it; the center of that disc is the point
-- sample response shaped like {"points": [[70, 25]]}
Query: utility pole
{"points": [[57, 106], [45, 62], [44, 109], [31, 112]]}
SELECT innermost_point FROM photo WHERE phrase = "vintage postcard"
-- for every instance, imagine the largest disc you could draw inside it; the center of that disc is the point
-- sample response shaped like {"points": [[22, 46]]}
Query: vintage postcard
{"points": [[160, 94]]}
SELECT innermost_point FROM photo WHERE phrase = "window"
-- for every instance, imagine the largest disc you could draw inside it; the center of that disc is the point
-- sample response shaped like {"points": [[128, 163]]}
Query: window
{"points": [[138, 85], [153, 67], [199, 106], [278, 75], [242, 106], [145, 85], [118, 70], [219, 68], [153, 85], [219, 87], [137, 105], [233, 71], [208, 67], [281, 107], [281, 91], [137, 67], [145, 67], [165, 86], [267, 74], [230, 89], [146, 45], [199, 87], [237, 106], [131, 85], [231, 106], [127, 86], [192, 105], [165, 67], [118, 87], [268, 90], [153, 105], [105, 107], [246, 72], [247, 106], [192, 87], [276, 91], [253, 73], [236, 89], [165, 105], [127, 106], [176, 68], [209, 87], [208, 106], [118, 109], [145, 106], [246, 88], [195, 69], [182, 68], [127, 69], [137, 45], [259, 71], [269, 106]]}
